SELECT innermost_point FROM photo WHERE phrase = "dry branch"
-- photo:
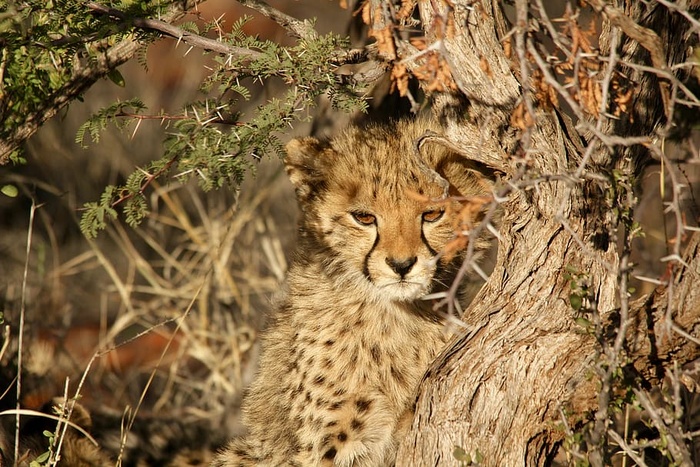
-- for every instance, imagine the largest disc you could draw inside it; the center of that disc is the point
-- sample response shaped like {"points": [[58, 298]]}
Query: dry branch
{"points": [[297, 28], [644, 36]]}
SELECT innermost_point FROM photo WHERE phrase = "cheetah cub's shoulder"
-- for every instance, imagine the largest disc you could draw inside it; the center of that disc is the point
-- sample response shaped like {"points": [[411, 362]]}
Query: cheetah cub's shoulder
{"points": [[351, 338]]}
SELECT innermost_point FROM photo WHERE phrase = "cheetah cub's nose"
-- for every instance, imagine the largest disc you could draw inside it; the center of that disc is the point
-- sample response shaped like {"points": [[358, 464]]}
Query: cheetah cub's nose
{"points": [[401, 266]]}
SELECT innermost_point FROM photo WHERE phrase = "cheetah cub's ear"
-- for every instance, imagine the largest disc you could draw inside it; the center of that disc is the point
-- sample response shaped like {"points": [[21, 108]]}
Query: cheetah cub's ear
{"points": [[305, 165], [466, 177]]}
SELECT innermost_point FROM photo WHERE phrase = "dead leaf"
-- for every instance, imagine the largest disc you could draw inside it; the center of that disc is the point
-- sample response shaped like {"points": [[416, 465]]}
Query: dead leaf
{"points": [[385, 42], [399, 78]]}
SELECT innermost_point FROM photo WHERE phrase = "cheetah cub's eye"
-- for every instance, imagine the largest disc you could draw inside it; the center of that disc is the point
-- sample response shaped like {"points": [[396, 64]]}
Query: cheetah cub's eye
{"points": [[433, 215], [364, 218]]}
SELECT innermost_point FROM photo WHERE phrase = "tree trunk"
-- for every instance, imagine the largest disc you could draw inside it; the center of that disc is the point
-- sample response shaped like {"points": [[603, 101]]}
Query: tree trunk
{"points": [[529, 366]]}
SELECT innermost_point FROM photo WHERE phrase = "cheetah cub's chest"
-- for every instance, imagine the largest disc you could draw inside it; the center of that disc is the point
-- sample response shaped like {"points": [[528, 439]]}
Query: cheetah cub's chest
{"points": [[351, 337]]}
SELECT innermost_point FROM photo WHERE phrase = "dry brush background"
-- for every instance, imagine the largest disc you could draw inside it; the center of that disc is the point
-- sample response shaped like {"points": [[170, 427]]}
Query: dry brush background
{"points": [[156, 328]]}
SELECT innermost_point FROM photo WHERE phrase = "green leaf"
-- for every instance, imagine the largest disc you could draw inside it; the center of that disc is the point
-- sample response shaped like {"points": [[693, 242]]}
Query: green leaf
{"points": [[576, 301], [9, 190], [116, 77], [583, 322], [461, 455]]}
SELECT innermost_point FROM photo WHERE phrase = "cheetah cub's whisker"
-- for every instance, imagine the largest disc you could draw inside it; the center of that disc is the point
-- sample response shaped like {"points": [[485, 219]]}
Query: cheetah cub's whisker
{"points": [[351, 337]]}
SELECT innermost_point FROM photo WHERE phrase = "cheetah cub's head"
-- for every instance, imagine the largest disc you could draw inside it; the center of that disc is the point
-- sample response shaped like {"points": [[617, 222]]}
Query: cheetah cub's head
{"points": [[365, 217]]}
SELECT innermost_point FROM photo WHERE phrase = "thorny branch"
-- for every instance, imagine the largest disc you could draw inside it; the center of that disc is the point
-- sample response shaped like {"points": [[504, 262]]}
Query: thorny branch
{"points": [[82, 79], [115, 55], [674, 436], [613, 355], [176, 33], [297, 28], [149, 178]]}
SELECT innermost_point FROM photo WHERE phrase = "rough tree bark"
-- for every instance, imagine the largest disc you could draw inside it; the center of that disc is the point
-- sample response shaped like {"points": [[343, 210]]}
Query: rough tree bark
{"points": [[505, 387]]}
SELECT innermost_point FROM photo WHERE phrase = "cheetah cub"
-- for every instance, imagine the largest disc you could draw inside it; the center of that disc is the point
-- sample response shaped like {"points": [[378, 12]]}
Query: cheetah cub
{"points": [[351, 337]]}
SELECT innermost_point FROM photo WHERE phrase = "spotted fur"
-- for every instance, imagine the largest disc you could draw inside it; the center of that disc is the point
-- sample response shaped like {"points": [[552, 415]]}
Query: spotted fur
{"points": [[351, 337]]}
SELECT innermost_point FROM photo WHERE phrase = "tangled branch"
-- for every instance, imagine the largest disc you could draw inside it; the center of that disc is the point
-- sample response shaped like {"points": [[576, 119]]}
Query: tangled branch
{"points": [[176, 33]]}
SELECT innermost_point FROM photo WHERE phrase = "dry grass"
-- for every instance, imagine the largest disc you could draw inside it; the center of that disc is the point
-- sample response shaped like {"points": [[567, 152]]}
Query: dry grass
{"points": [[170, 329], [152, 329]]}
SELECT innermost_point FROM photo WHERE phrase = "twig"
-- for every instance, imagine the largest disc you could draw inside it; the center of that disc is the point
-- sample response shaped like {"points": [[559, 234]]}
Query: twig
{"points": [[164, 118], [149, 179], [5, 345], [182, 319], [63, 419], [675, 443], [605, 93], [613, 355], [52, 417], [626, 448], [476, 232], [297, 28], [521, 8], [301, 29], [20, 331], [552, 81], [666, 74], [675, 206], [644, 36], [683, 333], [683, 11], [176, 33], [553, 34]]}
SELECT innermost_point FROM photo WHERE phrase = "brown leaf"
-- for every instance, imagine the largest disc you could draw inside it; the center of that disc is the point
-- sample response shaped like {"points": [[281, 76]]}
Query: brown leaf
{"points": [[435, 73], [385, 42], [406, 9], [545, 95], [508, 47], [418, 42], [470, 211], [521, 118], [399, 78]]}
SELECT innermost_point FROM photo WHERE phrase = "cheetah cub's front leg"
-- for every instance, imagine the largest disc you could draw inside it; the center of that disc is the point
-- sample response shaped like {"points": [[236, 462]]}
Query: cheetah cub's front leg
{"points": [[358, 433]]}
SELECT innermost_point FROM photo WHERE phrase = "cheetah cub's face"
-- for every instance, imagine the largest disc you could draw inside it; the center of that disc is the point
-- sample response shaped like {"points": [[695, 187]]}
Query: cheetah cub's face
{"points": [[363, 199]]}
